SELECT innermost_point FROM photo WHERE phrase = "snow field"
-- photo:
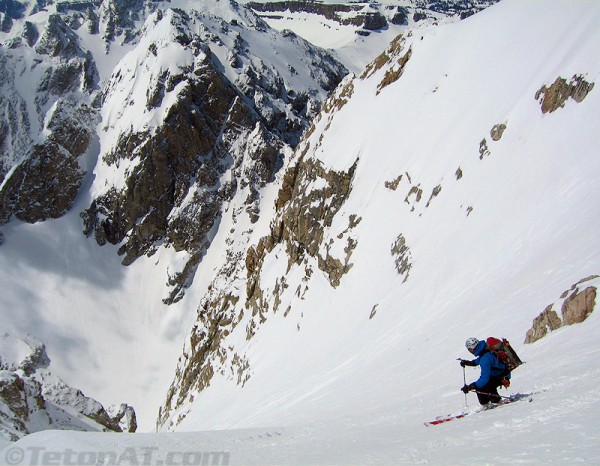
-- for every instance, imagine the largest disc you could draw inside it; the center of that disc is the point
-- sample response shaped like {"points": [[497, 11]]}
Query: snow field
{"points": [[329, 384]]}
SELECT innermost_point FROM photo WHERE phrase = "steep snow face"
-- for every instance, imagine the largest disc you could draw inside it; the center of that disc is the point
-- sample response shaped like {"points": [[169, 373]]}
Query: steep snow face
{"points": [[469, 210], [431, 201]]}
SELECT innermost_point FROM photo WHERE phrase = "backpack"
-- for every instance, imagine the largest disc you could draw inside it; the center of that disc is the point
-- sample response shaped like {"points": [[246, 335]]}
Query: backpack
{"points": [[503, 351]]}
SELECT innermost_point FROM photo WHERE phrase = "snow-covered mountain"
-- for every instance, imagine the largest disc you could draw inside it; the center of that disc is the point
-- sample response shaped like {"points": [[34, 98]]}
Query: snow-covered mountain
{"points": [[199, 104], [32, 398], [144, 120], [357, 31], [447, 191], [435, 196]]}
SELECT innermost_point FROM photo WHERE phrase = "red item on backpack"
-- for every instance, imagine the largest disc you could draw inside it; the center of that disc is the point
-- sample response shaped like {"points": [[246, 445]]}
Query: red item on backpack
{"points": [[505, 352]]}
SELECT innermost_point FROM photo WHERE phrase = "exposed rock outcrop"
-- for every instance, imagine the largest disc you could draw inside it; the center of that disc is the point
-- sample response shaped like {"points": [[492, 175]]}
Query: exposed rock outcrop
{"points": [[123, 416], [484, 150], [46, 183], [204, 353], [394, 73], [554, 97], [44, 176], [497, 131], [546, 322], [214, 138], [32, 398], [579, 305], [20, 401], [402, 257], [576, 304]]}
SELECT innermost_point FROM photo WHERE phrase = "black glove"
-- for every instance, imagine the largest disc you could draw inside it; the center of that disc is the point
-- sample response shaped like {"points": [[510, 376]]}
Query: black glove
{"points": [[464, 362], [467, 388]]}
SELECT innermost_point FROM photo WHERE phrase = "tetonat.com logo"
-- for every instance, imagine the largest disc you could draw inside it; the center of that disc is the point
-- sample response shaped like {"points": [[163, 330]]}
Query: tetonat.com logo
{"points": [[139, 456]]}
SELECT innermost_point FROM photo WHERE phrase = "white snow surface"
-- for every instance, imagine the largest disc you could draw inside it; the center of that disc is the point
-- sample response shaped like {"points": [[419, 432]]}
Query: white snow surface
{"points": [[13, 351], [352, 50], [328, 384]]}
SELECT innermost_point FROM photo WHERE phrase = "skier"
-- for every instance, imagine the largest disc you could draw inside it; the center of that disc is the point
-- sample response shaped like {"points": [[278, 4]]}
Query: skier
{"points": [[493, 372]]}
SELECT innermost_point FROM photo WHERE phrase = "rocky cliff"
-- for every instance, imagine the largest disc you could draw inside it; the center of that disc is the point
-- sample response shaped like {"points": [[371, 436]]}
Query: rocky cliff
{"points": [[575, 306], [34, 399], [148, 119], [195, 111], [371, 16]]}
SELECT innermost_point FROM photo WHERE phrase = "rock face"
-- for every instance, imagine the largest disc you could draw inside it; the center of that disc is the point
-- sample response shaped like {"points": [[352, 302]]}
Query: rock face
{"points": [[174, 140], [546, 322], [576, 305], [402, 257], [21, 400], [308, 204], [554, 97], [579, 305], [371, 16], [33, 399], [497, 131], [45, 184], [43, 141]]}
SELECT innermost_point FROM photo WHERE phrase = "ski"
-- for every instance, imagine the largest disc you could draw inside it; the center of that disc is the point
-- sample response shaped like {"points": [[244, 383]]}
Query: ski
{"points": [[441, 420], [452, 417]]}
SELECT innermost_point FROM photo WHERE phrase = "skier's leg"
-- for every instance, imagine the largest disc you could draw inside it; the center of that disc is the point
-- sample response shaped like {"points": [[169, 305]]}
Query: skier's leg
{"points": [[491, 390], [494, 397], [483, 397]]}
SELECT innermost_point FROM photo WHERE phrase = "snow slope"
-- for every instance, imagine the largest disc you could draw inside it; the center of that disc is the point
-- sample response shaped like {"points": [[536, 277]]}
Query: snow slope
{"points": [[557, 426], [104, 326], [351, 373], [529, 236]]}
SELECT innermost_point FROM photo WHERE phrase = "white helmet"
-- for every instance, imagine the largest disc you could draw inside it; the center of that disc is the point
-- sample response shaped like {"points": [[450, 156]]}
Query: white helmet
{"points": [[471, 343]]}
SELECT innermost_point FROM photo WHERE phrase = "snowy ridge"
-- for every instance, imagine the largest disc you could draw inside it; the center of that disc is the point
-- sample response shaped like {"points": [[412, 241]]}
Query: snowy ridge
{"points": [[33, 399]]}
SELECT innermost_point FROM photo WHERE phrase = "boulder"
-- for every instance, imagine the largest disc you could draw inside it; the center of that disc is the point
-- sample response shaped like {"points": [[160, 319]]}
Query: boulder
{"points": [[554, 97], [575, 305], [579, 306], [546, 322]]}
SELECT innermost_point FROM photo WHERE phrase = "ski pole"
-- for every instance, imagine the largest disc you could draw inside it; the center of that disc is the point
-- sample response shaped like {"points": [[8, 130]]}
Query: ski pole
{"points": [[465, 380], [483, 393]]}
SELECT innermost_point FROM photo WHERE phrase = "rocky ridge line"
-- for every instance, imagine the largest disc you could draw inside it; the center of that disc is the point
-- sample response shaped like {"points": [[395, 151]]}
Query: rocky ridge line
{"points": [[34, 399]]}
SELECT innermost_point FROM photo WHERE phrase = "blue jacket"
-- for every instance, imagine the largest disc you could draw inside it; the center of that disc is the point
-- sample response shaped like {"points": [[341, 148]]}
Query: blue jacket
{"points": [[490, 364]]}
